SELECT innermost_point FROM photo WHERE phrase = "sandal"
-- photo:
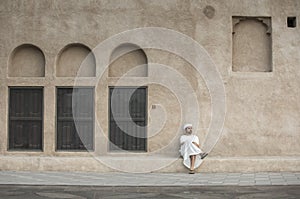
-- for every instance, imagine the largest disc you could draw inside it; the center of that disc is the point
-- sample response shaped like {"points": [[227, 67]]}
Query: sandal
{"points": [[192, 172], [203, 155]]}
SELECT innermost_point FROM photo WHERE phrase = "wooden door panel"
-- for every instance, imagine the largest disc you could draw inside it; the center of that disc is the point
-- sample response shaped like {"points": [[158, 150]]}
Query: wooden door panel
{"points": [[129, 110], [75, 118], [25, 118]]}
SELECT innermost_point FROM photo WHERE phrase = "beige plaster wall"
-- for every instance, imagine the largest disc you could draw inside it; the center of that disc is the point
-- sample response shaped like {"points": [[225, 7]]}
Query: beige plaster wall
{"points": [[128, 60], [261, 126], [26, 61], [252, 44], [70, 59]]}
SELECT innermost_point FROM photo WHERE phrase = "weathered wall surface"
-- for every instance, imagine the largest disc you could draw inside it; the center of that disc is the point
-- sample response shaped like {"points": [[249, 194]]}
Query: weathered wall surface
{"points": [[261, 128]]}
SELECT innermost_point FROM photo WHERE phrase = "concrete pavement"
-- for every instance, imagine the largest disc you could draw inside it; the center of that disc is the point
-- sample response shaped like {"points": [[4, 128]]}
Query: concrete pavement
{"points": [[148, 179], [174, 192]]}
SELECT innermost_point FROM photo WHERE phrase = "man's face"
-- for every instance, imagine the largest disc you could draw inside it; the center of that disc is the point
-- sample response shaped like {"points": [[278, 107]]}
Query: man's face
{"points": [[189, 129]]}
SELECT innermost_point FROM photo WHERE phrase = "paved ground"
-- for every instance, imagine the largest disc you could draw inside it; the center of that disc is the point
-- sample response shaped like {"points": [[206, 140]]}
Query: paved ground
{"points": [[206, 192], [148, 179], [33, 185]]}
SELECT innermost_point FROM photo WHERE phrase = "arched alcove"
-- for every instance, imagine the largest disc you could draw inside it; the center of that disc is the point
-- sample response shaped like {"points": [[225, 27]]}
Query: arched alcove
{"points": [[252, 48], [26, 60], [128, 60], [70, 62]]}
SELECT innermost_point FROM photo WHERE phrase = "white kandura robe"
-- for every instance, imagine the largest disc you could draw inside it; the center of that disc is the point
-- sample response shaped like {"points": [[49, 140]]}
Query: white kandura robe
{"points": [[187, 149]]}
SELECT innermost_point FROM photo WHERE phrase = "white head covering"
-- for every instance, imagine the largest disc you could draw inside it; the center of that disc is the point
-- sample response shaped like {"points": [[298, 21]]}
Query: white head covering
{"points": [[187, 125]]}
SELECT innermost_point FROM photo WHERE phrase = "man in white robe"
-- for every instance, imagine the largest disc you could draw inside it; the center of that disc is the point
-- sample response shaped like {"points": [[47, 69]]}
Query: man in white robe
{"points": [[190, 149]]}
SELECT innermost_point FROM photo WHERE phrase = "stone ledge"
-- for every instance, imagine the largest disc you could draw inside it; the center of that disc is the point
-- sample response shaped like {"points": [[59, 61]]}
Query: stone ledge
{"points": [[146, 164], [252, 164]]}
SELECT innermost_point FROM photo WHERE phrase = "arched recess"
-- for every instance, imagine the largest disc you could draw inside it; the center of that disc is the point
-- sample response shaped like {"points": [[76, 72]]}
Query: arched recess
{"points": [[252, 44], [70, 58], [128, 60], [26, 60]]}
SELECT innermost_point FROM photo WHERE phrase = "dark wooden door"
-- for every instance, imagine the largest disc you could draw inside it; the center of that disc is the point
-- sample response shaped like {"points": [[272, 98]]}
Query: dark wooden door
{"points": [[75, 118], [25, 118], [128, 118]]}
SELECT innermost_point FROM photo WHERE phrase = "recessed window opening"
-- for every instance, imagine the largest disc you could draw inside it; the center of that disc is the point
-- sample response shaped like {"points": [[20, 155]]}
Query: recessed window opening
{"points": [[291, 22]]}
